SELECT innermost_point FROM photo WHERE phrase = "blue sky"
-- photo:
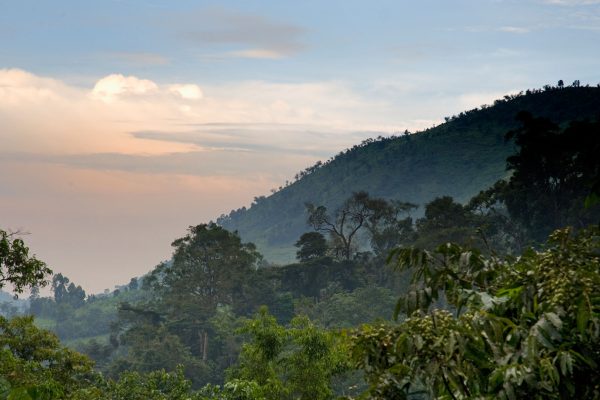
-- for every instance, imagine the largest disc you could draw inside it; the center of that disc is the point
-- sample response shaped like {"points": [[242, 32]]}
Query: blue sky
{"points": [[355, 41], [123, 122]]}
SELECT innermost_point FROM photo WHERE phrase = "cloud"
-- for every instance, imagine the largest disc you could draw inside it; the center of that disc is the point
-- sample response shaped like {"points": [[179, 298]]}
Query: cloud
{"points": [[252, 36], [514, 29], [139, 58], [256, 53], [187, 91], [208, 162], [39, 114], [266, 140], [116, 85], [18, 87]]}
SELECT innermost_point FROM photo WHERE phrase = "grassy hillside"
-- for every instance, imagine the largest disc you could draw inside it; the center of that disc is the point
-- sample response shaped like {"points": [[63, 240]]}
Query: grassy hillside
{"points": [[458, 158]]}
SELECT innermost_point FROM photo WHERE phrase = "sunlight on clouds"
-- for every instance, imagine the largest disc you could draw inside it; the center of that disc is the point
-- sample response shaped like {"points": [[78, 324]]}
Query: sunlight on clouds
{"points": [[18, 87], [109, 88], [46, 115], [188, 92]]}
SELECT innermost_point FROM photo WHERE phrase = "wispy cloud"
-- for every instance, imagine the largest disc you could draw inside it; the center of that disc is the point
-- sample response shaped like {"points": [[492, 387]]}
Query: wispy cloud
{"points": [[514, 29], [139, 58], [251, 36], [256, 53], [214, 162], [272, 139]]}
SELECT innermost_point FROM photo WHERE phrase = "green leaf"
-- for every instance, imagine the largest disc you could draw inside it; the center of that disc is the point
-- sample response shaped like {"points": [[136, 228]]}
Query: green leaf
{"points": [[583, 315], [19, 394]]}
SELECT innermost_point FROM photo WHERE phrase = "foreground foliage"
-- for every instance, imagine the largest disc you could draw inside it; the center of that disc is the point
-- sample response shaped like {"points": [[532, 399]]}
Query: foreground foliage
{"points": [[523, 328], [294, 363], [33, 364]]}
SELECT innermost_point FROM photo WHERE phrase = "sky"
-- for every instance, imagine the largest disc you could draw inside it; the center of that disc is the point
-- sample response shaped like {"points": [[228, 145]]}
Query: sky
{"points": [[123, 122]]}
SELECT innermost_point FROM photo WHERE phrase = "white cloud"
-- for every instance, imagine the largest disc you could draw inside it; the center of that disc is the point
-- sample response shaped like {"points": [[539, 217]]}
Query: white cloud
{"points": [[187, 91], [113, 86], [18, 86]]}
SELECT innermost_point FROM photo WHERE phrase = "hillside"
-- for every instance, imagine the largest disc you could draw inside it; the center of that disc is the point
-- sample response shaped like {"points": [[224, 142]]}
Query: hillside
{"points": [[457, 158]]}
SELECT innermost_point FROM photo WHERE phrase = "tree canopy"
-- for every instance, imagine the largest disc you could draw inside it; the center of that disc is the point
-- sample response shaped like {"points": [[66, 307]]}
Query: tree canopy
{"points": [[517, 328], [555, 172], [17, 268]]}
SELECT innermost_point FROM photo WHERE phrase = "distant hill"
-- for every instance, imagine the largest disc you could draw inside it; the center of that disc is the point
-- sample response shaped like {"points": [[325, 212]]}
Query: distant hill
{"points": [[457, 158]]}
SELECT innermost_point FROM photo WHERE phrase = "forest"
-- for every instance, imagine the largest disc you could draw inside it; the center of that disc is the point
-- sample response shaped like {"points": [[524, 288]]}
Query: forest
{"points": [[491, 295]]}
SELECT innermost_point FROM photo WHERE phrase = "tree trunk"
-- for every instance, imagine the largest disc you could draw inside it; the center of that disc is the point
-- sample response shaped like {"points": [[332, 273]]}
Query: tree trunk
{"points": [[205, 347]]}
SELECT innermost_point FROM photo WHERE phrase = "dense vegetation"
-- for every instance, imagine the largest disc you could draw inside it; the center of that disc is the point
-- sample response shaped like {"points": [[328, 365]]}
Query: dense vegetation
{"points": [[465, 301], [457, 158]]}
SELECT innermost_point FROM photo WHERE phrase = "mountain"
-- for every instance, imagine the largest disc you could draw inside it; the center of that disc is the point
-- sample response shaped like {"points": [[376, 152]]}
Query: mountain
{"points": [[458, 158]]}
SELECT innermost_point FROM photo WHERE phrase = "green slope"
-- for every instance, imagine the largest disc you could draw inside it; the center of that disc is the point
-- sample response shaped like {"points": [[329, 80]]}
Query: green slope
{"points": [[458, 158]]}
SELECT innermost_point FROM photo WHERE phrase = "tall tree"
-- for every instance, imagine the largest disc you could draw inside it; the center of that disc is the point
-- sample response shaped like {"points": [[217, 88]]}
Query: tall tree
{"points": [[343, 226], [553, 173], [446, 220], [18, 269], [311, 246], [211, 267], [66, 292], [391, 226]]}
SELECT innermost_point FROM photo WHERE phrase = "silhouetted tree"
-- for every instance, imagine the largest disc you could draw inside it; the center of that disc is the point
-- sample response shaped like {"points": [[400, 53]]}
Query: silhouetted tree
{"points": [[312, 245], [553, 173], [354, 214]]}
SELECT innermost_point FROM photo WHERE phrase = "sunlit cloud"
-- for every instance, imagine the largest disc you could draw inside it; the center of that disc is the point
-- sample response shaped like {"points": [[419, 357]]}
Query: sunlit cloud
{"points": [[46, 115], [187, 91], [116, 85]]}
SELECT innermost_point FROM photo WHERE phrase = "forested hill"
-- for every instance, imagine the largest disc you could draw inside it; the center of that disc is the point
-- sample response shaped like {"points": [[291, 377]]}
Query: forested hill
{"points": [[459, 158]]}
